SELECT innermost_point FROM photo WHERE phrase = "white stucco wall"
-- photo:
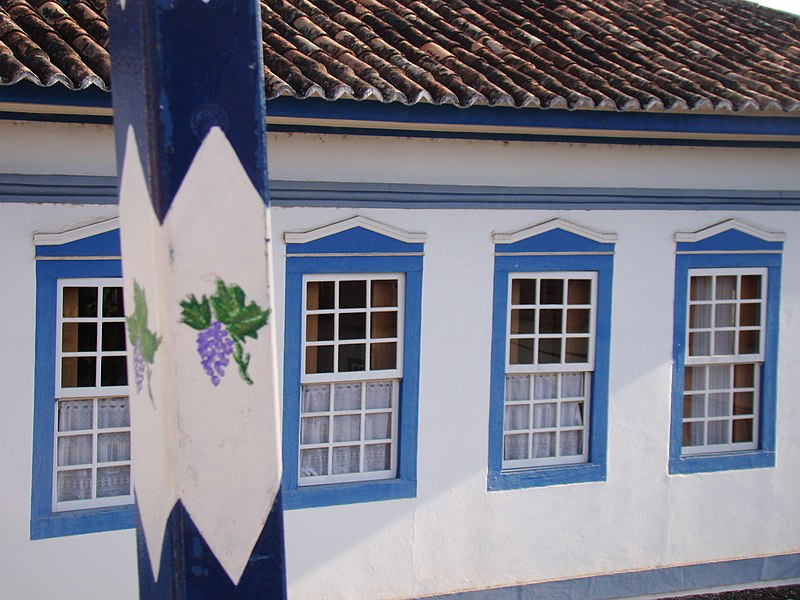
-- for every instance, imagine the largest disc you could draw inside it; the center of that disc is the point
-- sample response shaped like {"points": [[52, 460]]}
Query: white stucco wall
{"points": [[454, 535]]}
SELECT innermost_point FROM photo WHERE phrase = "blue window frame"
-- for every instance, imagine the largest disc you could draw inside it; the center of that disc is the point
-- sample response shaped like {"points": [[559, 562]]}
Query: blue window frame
{"points": [[727, 304], [551, 330], [359, 346], [89, 253]]}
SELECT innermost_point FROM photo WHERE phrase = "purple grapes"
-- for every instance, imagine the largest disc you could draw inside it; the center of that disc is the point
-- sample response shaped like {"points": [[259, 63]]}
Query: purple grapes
{"points": [[214, 345], [139, 366]]}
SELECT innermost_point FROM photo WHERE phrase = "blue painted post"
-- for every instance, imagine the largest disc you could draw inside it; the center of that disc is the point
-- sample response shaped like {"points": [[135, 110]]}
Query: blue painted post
{"points": [[189, 112]]}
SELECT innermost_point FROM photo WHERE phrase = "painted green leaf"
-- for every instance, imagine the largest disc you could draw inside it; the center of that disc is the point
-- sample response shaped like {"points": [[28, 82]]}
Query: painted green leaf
{"points": [[149, 345], [196, 314], [248, 321], [228, 301]]}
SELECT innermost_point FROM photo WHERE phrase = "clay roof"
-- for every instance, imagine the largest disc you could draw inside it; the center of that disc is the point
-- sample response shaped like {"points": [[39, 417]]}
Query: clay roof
{"points": [[626, 55]]}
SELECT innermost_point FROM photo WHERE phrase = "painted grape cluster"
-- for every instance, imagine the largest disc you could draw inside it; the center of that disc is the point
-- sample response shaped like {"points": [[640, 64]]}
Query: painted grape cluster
{"points": [[224, 321], [214, 345], [145, 342]]}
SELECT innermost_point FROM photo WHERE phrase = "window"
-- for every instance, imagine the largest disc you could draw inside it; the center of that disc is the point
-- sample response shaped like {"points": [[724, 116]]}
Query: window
{"points": [[81, 455], [92, 421], [726, 304], [548, 375], [550, 346], [351, 378], [351, 363]]}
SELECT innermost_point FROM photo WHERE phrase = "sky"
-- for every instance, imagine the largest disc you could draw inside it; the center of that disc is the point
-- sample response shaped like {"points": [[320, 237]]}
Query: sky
{"points": [[792, 6]]}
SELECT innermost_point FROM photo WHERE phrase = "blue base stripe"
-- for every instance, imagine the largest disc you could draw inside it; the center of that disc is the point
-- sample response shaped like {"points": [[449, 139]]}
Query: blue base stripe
{"points": [[742, 572], [189, 568]]}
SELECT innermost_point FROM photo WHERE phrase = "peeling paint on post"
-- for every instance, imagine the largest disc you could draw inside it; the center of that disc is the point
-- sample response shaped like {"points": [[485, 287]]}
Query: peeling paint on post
{"points": [[191, 153]]}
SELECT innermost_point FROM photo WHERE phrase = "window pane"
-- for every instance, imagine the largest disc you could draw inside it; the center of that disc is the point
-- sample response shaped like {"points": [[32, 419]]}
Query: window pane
{"points": [[378, 395], [699, 344], [516, 417], [78, 371], [718, 432], [749, 342], [352, 326], [346, 428], [549, 351], [517, 387], [112, 302], [113, 371], [700, 288], [320, 295], [314, 430], [523, 321], [693, 433], [578, 320], [552, 291], [744, 376], [80, 337], [726, 287], [377, 457], [751, 287], [319, 359], [545, 387], [314, 462], [353, 294], [378, 426], [694, 405], [113, 447], [743, 430], [724, 343], [384, 292], [521, 351], [74, 485], [113, 412], [319, 328], [80, 302], [750, 315], [725, 315], [550, 321], [352, 357], [113, 481], [743, 404], [544, 415], [347, 396], [383, 356], [345, 460], [515, 447], [523, 291], [572, 414], [579, 291], [544, 445], [719, 405], [316, 398], [700, 316], [719, 377], [383, 325], [572, 385], [75, 415], [113, 336], [577, 350], [74, 450], [571, 443], [694, 378]]}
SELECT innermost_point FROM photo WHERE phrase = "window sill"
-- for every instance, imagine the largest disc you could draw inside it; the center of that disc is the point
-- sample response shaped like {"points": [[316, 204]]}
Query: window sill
{"points": [[78, 522], [732, 461], [545, 476], [348, 493]]}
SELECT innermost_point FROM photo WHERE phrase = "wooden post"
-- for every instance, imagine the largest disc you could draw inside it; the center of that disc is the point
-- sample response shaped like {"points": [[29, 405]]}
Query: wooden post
{"points": [[188, 96]]}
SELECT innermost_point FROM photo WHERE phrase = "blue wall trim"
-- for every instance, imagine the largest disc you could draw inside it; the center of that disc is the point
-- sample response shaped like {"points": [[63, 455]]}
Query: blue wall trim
{"points": [[731, 239], [102, 244], [356, 239], [565, 241], [611, 121], [405, 484], [103, 190], [44, 522], [764, 456], [653, 581], [595, 468], [26, 92]]}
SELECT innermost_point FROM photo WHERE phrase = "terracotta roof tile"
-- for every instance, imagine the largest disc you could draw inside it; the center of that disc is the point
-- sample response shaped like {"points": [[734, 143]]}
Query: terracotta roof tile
{"points": [[627, 55]]}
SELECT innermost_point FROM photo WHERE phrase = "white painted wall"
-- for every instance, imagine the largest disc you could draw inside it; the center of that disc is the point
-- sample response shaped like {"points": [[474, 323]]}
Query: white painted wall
{"points": [[454, 535]]}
